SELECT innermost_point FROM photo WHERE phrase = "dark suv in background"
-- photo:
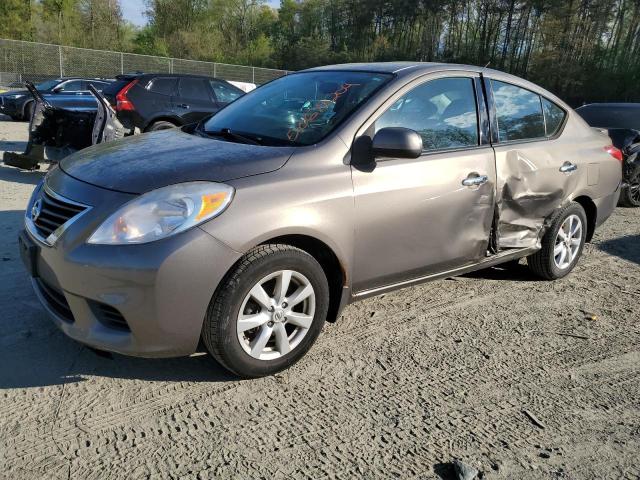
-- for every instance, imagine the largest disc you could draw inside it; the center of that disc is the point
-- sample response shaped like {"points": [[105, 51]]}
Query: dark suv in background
{"points": [[18, 104], [157, 101]]}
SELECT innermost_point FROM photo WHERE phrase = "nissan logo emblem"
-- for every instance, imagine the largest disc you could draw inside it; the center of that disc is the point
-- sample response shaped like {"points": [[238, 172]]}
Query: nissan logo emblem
{"points": [[36, 209]]}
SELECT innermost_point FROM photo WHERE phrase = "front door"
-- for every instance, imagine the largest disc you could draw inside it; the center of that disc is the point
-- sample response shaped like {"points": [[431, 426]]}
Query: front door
{"points": [[415, 217]]}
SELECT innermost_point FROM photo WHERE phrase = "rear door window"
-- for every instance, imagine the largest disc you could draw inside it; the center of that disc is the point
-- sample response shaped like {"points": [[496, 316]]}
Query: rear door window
{"points": [[518, 111], [163, 85], [442, 111], [100, 86], [194, 89], [553, 117], [72, 86]]}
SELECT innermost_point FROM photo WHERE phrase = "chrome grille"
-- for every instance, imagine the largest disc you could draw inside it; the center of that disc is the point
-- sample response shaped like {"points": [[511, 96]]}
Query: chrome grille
{"points": [[50, 211]]}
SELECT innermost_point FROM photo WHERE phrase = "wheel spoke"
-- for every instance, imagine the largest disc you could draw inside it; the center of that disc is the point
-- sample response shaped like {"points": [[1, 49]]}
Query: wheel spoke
{"points": [[575, 241], [260, 296], [299, 319], [258, 344], [282, 285], [247, 322], [558, 249], [563, 255], [561, 233], [282, 341], [300, 294]]}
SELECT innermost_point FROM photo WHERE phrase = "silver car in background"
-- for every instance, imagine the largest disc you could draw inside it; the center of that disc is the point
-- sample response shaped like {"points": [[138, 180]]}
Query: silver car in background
{"points": [[252, 228]]}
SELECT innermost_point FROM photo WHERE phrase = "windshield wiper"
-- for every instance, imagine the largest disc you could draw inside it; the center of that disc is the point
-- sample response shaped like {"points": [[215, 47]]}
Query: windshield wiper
{"points": [[228, 134]]}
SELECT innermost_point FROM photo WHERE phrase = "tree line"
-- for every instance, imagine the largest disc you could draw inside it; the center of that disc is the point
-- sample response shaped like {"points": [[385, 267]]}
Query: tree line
{"points": [[582, 50]]}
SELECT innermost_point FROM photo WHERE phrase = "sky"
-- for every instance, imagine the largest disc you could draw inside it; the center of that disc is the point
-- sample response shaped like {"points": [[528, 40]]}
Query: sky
{"points": [[133, 10]]}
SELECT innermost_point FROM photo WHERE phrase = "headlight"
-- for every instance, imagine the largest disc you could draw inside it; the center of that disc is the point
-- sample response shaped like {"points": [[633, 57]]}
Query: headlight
{"points": [[164, 212], [16, 96]]}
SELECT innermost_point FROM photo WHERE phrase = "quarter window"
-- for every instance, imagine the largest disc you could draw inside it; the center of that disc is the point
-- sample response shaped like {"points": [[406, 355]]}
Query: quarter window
{"points": [[553, 117], [519, 112], [442, 111], [224, 93]]}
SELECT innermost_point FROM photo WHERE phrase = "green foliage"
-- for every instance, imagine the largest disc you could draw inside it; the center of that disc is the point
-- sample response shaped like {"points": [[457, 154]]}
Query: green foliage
{"points": [[586, 50]]}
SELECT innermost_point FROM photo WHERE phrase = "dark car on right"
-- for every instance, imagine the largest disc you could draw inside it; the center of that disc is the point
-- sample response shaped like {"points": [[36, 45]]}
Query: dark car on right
{"points": [[156, 101], [622, 122]]}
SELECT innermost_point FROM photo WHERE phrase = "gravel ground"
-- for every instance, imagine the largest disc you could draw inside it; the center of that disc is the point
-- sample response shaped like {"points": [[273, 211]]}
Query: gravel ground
{"points": [[398, 387]]}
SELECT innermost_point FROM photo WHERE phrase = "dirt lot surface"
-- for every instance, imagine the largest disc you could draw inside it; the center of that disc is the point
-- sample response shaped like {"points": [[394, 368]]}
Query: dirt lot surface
{"points": [[398, 387]]}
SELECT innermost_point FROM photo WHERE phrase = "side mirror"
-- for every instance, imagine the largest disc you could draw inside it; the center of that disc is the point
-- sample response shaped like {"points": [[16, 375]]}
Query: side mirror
{"points": [[396, 142], [57, 89]]}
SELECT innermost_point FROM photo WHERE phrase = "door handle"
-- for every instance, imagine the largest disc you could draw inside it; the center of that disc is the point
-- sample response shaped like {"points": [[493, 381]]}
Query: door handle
{"points": [[568, 167], [473, 180], [183, 105]]}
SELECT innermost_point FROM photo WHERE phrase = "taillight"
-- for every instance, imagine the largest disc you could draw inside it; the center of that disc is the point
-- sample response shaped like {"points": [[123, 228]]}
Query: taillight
{"points": [[614, 152], [122, 101]]}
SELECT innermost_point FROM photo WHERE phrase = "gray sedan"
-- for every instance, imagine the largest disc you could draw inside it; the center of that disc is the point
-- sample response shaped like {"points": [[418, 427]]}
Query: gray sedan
{"points": [[252, 228]]}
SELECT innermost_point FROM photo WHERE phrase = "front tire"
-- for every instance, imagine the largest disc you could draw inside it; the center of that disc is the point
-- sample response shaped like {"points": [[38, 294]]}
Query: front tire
{"points": [[562, 244], [267, 312]]}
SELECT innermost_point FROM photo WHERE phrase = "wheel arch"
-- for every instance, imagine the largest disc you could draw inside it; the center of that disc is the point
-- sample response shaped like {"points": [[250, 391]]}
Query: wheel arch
{"points": [[591, 211], [328, 260], [24, 107]]}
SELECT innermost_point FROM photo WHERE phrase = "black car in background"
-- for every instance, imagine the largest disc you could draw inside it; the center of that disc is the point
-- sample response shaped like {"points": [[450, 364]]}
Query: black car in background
{"points": [[18, 104], [155, 101], [622, 122]]}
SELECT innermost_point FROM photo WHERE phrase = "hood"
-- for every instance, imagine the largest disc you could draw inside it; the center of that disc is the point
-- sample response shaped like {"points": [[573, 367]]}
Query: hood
{"points": [[141, 163], [14, 92]]}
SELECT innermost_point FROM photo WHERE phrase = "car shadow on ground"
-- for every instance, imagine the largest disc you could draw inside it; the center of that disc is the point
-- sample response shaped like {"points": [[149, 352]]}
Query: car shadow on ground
{"points": [[15, 175], [70, 362], [627, 248], [509, 271]]}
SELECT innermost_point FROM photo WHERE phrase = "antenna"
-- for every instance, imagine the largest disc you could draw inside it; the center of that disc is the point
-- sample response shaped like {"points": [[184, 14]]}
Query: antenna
{"points": [[487, 64]]}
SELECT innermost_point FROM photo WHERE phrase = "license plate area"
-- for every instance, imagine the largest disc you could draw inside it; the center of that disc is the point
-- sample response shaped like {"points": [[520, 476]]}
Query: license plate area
{"points": [[29, 252]]}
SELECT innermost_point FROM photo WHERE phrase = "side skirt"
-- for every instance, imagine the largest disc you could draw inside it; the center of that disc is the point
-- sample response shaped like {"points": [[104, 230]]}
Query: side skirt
{"points": [[502, 257]]}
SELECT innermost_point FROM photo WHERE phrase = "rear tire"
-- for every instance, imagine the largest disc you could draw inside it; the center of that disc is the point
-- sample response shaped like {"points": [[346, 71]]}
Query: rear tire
{"points": [[289, 333], [630, 195], [161, 125], [559, 255]]}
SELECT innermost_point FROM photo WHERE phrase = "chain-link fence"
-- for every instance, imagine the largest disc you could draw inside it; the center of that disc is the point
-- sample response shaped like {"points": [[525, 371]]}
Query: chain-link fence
{"points": [[20, 61]]}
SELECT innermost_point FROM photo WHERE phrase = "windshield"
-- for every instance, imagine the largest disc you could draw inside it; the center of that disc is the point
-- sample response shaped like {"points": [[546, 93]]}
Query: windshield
{"points": [[49, 84], [298, 109]]}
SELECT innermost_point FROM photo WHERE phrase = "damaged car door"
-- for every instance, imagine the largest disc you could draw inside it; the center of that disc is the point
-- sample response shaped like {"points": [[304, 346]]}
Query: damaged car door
{"points": [[432, 213], [536, 167]]}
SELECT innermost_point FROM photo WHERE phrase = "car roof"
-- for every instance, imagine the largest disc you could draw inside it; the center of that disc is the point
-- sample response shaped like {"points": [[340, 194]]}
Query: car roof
{"points": [[610, 105], [415, 69]]}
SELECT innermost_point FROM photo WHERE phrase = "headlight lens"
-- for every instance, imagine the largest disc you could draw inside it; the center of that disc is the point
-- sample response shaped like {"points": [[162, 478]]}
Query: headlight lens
{"points": [[16, 96], [164, 212]]}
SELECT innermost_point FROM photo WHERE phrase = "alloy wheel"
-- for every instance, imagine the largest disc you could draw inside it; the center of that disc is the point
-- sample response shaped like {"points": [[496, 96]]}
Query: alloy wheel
{"points": [[568, 241], [276, 315]]}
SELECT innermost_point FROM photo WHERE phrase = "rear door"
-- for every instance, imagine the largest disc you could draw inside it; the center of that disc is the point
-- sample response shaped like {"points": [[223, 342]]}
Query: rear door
{"points": [[431, 214], [195, 99], [536, 167]]}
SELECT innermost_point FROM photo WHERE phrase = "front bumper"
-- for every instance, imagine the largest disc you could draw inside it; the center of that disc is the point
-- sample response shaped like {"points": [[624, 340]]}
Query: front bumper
{"points": [[160, 290], [11, 107]]}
